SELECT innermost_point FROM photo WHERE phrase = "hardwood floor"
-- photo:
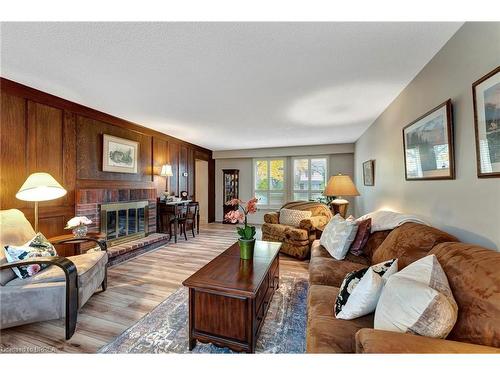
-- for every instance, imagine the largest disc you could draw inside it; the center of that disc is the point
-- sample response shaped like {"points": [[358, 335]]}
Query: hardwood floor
{"points": [[134, 288]]}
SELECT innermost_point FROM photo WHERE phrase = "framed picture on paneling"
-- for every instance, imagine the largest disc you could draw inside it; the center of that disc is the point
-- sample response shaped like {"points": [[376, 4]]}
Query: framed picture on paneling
{"points": [[119, 154], [486, 98], [369, 173], [428, 145]]}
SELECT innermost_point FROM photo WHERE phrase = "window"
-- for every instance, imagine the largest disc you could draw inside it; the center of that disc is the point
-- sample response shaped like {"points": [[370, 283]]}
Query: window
{"points": [[309, 177], [269, 181]]}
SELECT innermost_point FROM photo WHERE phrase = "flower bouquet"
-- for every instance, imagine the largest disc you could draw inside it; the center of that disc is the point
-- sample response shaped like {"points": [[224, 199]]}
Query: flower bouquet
{"points": [[247, 232], [79, 225]]}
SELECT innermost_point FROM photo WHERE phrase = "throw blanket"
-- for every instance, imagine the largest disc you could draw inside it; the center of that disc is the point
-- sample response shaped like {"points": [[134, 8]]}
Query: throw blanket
{"points": [[387, 220]]}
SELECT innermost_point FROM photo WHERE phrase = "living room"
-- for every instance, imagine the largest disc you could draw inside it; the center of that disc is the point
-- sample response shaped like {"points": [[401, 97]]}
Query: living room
{"points": [[250, 187]]}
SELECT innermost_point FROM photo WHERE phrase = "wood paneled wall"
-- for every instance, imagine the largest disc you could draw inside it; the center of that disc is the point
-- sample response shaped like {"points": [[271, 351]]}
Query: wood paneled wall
{"points": [[40, 132]]}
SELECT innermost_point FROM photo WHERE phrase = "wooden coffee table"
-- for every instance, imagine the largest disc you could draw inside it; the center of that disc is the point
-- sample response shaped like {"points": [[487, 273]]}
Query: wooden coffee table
{"points": [[229, 297]]}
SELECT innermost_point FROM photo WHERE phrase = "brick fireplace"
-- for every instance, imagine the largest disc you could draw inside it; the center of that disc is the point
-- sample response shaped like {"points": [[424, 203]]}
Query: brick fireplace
{"points": [[89, 201]]}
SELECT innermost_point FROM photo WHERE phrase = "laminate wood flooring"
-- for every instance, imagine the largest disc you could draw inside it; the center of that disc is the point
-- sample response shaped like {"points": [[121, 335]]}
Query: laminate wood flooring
{"points": [[135, 287]]}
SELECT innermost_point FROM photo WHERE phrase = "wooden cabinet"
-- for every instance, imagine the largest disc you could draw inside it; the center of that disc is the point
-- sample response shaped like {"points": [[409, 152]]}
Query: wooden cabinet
{"points": [[231, 189]]}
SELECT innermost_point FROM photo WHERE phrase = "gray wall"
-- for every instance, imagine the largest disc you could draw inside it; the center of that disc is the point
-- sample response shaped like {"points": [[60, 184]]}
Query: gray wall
{"points": [[338, 163], [467, 207]]}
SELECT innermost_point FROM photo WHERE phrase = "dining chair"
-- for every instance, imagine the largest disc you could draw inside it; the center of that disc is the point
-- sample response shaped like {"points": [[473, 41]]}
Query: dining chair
{"points": [[180, 220], [193, 216]]}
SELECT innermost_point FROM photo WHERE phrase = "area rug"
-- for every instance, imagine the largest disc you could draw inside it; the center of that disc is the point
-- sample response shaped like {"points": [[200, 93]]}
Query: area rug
{"points": [[165, 329]]}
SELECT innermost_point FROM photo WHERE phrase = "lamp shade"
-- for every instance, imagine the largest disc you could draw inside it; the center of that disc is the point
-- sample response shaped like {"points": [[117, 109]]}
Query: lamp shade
{"points": [[166, 170], [40, 187], [340, 185]]}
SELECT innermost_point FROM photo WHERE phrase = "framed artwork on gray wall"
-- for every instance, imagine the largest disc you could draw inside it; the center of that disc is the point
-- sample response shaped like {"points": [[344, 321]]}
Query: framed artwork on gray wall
{"points": [[428, 145], [119, 154], [486, 98], [369, 173]]}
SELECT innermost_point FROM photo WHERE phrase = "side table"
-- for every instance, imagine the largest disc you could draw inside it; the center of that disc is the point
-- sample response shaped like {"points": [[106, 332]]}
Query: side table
{"points": [[77, 242]]}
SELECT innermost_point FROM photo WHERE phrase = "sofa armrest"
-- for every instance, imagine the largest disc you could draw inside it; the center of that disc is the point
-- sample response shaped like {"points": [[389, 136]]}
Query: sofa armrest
{"points": [[314, 222], [71, 276], [272, 218], [377, 341]]}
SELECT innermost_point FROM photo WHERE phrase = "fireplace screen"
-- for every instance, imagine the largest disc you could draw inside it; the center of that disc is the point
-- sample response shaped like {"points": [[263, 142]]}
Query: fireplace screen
{"points": [[124, 221]]}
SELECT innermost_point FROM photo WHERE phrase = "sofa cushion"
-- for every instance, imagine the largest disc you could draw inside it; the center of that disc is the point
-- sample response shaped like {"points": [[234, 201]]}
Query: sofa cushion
{"points": [[87, 266], [38, 246], [357, 259], [362, 235], [16, 230], [374, 241], [325, 333], [331, 272], [360, 290], [318, 251], [298, 251], [285, 232], [338, 235], [384, 342], [293, 217], [316, 208], [418, 300], [409, 242], [473, 273]]}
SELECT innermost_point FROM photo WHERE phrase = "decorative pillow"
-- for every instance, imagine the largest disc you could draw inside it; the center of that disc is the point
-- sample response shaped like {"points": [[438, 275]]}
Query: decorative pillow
{"points": [[362, 235], [360, 290], [38, 246], [418, 300], [293, 217], [338, 236]]}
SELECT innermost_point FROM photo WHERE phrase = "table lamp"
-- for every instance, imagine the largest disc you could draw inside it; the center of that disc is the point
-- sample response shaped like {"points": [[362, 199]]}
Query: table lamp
{"points": [[166, 171], [338, 186], [40, 187]]}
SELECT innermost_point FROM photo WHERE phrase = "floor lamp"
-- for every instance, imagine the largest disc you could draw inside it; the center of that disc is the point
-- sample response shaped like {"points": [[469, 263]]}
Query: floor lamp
{"points": [[40, 187]]}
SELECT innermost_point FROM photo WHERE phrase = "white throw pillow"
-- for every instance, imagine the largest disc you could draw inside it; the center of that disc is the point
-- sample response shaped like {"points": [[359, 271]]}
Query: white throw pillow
{"points": [[418, 300], [293, 217], [338, 236], [360, 290]]}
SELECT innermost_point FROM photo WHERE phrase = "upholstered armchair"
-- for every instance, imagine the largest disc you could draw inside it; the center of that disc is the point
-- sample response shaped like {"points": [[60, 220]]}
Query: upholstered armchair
{"points": [[57, 291], [296, 241]]}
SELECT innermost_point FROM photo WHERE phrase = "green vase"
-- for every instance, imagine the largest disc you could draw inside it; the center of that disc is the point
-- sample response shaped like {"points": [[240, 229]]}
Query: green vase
{"points": [[246, 248]]}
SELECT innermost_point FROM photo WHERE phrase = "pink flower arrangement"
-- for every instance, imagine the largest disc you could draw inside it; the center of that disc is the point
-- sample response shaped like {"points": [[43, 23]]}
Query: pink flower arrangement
{"points": [[237, 216]]}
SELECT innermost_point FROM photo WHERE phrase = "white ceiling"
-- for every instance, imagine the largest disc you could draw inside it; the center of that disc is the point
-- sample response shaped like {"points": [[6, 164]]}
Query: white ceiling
{"points": [[227, 85]]}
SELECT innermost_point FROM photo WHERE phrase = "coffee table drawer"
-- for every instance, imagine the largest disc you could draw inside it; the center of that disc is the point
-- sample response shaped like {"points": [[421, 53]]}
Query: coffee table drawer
{"points": [[220, 315], [261, 293]]}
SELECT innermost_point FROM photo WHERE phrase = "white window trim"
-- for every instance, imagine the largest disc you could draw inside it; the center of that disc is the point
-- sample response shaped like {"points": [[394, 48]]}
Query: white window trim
{"points": [[288, 178], [285, 182], [292, 175]]}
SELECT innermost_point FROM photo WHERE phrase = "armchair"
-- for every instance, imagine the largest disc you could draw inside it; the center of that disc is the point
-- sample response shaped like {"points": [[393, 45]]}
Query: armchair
{"points": [[56, 291], [296, 241]]}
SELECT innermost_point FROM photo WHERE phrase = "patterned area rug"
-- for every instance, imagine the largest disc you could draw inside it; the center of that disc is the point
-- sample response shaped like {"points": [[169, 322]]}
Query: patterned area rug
{"points": [[165, 329]]}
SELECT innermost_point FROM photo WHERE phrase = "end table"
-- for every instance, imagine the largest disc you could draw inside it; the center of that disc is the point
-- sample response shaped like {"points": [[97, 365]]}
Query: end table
{"points": [[96, 237]]}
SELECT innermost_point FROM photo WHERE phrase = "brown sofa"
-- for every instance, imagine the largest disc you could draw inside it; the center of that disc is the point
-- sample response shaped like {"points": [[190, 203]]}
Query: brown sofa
{"points": [[473, 273], [296, 241]]}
